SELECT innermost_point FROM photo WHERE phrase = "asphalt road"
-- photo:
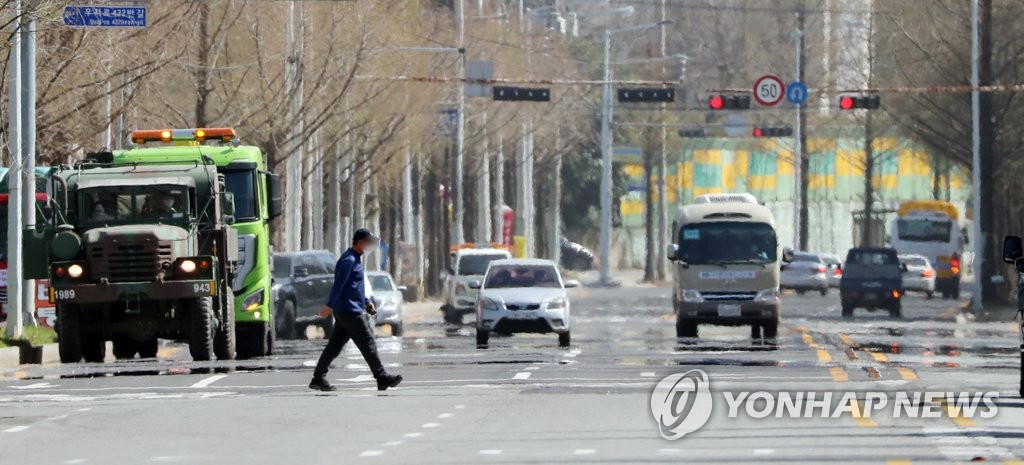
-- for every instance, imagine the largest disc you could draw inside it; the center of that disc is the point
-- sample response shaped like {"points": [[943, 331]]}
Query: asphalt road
{"points": [[525, 400]]}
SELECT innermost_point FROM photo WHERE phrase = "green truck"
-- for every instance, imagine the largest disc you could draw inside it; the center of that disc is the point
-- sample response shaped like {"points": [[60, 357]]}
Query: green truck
{"points": [[257, 195], [135, 253]]}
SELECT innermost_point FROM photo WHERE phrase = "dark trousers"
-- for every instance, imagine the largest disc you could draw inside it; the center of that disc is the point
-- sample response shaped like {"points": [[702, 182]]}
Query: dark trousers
{"points": [[350, 326]]}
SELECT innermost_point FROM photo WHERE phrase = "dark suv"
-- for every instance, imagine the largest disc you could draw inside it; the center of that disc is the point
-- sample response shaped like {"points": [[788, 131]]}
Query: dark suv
{"points": [[302, 282], [872, 279]]}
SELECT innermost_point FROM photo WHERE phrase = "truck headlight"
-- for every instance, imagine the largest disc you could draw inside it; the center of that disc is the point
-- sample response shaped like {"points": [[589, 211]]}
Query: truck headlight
{"points": [[187, 266], [690, 296], [557, 303], [75, 271], [253, 301], [767, 296]]}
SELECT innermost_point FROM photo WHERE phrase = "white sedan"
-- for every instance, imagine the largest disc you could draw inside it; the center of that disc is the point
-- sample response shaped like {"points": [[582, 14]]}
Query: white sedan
{"points": [[522, 296], [919, 275]]}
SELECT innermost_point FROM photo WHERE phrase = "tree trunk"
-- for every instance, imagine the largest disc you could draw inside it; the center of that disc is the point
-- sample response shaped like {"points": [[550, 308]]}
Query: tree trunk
{"points": [[984, 212], [203, 88], [649, 215]]}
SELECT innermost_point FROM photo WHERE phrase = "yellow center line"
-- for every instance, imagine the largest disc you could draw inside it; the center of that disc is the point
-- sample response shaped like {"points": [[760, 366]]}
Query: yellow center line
{"points": [[846, 339], [823, 356], [880, 358], [953, 412], [858, 415], [1013, 462], [20, 374], [898, 462], [907, 373], [838, 374], [808, 339]]}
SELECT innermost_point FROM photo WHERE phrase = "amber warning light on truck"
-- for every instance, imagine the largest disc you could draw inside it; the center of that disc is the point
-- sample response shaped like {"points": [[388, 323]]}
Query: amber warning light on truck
{"points": [[183, 135]]}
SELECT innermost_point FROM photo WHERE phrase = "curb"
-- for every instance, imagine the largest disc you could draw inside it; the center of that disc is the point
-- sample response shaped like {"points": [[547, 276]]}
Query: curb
{"points": [[10, 357], [13, 357]]}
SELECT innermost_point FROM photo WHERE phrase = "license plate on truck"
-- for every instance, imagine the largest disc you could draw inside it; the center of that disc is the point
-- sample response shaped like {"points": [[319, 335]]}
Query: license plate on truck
{"points": [[728, 310]]}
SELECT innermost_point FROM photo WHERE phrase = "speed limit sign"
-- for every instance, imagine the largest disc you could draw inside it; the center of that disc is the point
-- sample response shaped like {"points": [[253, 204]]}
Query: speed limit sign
{"points": [[769, 90]]}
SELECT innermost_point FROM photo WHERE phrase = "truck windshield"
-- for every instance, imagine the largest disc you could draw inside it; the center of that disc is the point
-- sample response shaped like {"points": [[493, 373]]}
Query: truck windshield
{"points": [[122, 205], [727, 242], [470, 265], [924, 230], [242, 183]]}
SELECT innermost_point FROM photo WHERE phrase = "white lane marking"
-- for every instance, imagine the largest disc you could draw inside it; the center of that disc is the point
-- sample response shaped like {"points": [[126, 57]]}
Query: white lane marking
{"points": [[491, 452], [16, 429], [357, 379], [74, 461], [431, 425], [309, 363], [56, 417], [371, 453], [531, 368], [392, 443], [584, 452], [446, 415], [522, 375], [85, 409], [208, 381], [412, 435], [647, 374], [764, 451], [35, 386], [669, 451], [573, 353], [460, 407]]}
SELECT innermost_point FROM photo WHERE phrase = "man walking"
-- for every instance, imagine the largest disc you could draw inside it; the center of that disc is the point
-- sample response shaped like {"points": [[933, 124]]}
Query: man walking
{"points": [[348, 302]]}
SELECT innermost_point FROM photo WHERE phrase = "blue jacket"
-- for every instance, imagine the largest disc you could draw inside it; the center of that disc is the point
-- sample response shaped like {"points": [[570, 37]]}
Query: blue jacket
{"points": [[348, 294]]}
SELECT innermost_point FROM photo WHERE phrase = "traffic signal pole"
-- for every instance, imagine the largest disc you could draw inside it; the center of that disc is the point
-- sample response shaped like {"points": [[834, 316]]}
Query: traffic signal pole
{"points": [[14, 204], [799, 222], [606, 162], [28, 151]]}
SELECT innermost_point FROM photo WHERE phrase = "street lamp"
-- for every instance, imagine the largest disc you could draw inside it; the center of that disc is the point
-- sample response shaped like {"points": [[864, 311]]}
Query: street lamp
{"points": [[606, 146]]}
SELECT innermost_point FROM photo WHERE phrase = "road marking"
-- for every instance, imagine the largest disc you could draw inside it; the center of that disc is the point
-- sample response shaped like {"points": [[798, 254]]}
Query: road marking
{"points": [[573, 352], [1013, 462], [522, 375], [208, 381], [16, 429], [954, 414], [846, 339], [531, 368], [808, 340], [823, 356], [764, 451], [412, 435], [858, 415], [35, 386], [431, 425], [446, 415], [669, 451], [647, 374], [898, 462], [584, 452], [392, 443], [490, 452], [907, 373], [309, 363], [838, 374], [86, 409], [460, 407], [357, 379], [74, 461], [880, 358], [371, 453]]}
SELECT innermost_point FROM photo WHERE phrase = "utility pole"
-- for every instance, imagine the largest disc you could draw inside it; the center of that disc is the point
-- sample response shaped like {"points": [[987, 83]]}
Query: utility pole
{"points": [[606, 163], [555, 242], [14, 205], [499, 190], [483, 185], [457, 195], [979, 238], [28, 147], [661, 238], [294, 147], [800, 194]]}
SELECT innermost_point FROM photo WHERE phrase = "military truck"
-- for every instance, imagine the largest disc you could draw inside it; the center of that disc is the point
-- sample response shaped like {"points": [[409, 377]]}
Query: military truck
{"points": [[136, 253]]}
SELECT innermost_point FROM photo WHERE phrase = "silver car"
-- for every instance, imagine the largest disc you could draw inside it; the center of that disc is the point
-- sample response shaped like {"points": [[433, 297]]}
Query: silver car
{"points": [[834, 269], [919, 275], [388, 299], [522, 296], [805, 273]]}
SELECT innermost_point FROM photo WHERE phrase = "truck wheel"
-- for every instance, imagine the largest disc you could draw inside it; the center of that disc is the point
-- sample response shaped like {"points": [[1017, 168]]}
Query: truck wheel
{"points": [[564, 340], [69, 338], [930, 294], [896, 311], [582, 264], [771, 329], [286, 321], [956, 291], [148, 348], [271, 339], [124, 347], [847, 311], [482, 335], [396, 329], [224, 344], [686, 329], [200, 340], [252, 339], [824, 291], [94, 348], [755, 332]]}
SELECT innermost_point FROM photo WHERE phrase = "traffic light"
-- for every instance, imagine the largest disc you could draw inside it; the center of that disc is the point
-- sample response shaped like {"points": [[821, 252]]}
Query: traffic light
{"points": [[522, 94], [773, 131], [856, 102], [729, 102], [647, 95], [693, 132]]}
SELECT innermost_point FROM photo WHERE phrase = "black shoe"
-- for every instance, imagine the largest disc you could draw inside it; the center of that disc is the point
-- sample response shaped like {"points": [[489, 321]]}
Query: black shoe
{"points": [[321, 384], [388, 381]]}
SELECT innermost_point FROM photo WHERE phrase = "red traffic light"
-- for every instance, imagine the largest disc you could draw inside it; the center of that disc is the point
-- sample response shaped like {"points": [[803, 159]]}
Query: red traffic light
{"points": [[758, 132], [846, 103], [716, 102]]}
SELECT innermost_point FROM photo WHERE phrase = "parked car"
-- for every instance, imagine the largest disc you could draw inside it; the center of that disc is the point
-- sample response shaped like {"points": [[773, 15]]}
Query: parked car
{"points": [[523, 296], [469, 263], [302, 283], [834, 269], [873, 279], [388, 299], [920, 276], [576, 257], [805, 273]]}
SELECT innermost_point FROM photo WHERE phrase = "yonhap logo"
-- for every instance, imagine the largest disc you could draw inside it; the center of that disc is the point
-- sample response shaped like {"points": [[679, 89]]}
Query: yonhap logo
{"points": [[681, 403]]}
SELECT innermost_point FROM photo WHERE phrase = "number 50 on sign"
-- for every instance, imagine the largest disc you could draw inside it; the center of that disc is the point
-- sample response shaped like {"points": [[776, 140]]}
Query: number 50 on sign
{"points": [[769, 90]]}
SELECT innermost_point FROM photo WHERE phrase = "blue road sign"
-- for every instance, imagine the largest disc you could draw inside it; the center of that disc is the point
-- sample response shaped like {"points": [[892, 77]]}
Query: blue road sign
{"points": [[796, 93], [104, 16]]}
